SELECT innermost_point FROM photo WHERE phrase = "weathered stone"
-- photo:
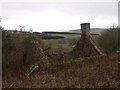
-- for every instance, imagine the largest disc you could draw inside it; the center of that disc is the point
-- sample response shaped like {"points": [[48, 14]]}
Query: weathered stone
{"points": [[85, 46], [85, 28]]}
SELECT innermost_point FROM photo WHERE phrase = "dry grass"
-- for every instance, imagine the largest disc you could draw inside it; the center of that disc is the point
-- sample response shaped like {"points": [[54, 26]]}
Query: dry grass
{"points": [[61, 70], [94, 72]]}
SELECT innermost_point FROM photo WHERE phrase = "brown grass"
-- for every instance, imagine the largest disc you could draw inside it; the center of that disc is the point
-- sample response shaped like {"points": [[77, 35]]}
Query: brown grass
{"points": [[94, 72]]}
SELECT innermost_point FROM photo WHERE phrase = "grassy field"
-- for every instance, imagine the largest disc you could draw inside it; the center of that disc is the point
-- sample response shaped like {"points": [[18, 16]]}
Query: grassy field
{"points": [[66, 44], [72, 36], [68, 36], [59, 43]]}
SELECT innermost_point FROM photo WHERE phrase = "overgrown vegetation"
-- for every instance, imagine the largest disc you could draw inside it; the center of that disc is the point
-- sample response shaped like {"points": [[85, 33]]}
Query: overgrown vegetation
{"points": [[18, 48], [63, 71], [108, 40], [98, 72]]}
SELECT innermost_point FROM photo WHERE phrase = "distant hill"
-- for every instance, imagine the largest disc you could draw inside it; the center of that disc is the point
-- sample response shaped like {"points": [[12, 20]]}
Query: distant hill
{"points": [[92, 30], [52, 32], [76, 31]]}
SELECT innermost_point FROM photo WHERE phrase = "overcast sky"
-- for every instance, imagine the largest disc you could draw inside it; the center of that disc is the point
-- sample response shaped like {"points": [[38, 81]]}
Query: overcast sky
{"points": [[58, 16]]}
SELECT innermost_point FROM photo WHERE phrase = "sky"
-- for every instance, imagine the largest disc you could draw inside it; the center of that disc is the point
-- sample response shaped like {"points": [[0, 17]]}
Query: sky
{"points": [[58, 16]]}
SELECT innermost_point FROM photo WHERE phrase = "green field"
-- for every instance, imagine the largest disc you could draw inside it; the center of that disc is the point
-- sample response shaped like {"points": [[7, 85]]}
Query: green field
{"points": [[66, 44], [68, 36]]}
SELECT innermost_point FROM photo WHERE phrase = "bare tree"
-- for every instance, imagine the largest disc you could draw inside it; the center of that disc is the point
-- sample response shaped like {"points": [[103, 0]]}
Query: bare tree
{"points": [[0, 19], [112, 26], [31, 30], [0, 25], [22, 28]]}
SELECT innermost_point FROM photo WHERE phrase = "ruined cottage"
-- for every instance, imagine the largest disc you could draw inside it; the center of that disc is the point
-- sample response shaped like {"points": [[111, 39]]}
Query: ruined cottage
{"points": [[86, 46]]}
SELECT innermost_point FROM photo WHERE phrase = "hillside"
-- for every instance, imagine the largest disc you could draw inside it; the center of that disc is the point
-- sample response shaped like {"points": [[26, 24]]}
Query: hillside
{"points": [[92, 30], [56, 67]]}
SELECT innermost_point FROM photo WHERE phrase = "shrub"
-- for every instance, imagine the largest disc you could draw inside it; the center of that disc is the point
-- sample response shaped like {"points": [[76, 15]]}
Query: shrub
{"points": [[18, 50], [108, 40]]}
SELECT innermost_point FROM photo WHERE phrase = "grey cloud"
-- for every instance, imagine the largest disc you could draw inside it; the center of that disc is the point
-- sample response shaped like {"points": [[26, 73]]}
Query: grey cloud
{"points": [[87, 9], [90, 8], [119, 13]]}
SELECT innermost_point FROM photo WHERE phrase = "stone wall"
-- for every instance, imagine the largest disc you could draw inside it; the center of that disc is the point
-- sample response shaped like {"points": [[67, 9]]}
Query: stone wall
{"points": [[85, 29]]}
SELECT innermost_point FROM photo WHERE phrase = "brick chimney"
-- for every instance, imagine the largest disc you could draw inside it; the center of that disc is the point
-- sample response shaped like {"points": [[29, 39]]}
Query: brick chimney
{"points": [[85, 29]]}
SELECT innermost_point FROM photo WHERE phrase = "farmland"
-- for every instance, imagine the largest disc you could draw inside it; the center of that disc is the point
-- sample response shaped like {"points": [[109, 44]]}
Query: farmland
{"points": [[66, 44], [68, 36]]}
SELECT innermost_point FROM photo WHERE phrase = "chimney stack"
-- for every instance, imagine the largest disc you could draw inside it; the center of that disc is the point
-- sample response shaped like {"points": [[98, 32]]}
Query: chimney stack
{"points": [[85, 29], [85, 46]]}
